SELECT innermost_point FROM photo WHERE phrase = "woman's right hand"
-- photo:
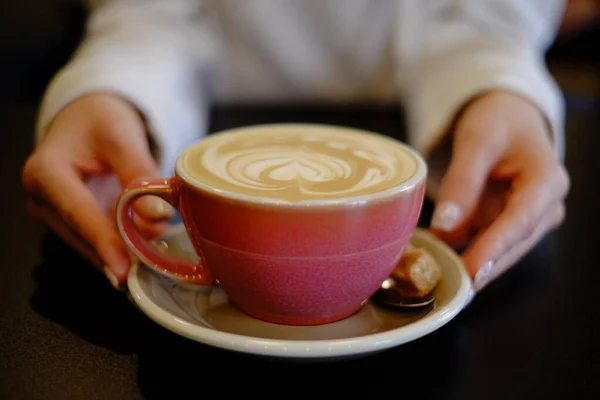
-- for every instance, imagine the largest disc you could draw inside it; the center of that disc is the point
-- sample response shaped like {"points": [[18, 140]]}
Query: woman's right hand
{"points": [[97, 136]]}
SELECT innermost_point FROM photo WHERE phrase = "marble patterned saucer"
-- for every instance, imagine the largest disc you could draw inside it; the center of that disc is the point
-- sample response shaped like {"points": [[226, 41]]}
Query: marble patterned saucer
{"points": [[205, 315]]}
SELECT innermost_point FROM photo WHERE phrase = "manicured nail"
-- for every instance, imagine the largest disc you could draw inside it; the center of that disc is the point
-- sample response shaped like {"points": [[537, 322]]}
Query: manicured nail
{"points": [[155, 207], [446, 216], [112, 278], [482, 275]]}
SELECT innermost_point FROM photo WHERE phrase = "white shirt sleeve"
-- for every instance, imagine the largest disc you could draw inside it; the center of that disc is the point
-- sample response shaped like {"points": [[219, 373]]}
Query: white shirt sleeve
{"points": [[150, 52], [450, 51]]}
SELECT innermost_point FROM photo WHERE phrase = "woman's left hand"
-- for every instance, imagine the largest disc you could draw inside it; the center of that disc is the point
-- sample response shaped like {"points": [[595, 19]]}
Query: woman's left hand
{"points": [[504, 188]]}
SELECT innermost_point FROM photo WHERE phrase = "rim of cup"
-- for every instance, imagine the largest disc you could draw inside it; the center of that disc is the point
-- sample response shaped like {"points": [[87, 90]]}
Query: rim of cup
{"points": [[408, 185]]}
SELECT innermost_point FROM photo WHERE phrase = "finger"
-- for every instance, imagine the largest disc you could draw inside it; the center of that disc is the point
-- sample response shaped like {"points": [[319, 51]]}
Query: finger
{"points": [[523, 212], [131, 160], [128, 155], [474, 156], [154, 209], [489, 207], [457, 239], [548, 224], [68, 194], [148, 229], [106, 190]]}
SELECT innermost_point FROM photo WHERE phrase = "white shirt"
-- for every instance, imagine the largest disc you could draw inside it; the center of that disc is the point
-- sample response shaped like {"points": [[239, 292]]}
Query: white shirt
{"points": [[173, 58]]}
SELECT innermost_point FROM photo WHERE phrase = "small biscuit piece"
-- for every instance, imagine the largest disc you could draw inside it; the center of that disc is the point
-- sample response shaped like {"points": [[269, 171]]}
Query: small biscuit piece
{"points": [[417, 273]]}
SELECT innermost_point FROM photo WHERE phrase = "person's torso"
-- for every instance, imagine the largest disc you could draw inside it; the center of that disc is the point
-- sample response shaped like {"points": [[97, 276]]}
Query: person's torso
{"points": [[308, 50]]}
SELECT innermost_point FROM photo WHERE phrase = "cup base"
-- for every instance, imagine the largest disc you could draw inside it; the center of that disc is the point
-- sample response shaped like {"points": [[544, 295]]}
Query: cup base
{"points": [[297, 321]]}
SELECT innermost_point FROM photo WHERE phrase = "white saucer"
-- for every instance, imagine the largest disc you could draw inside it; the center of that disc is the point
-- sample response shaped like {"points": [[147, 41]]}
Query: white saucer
{"points": [[204, 314]]}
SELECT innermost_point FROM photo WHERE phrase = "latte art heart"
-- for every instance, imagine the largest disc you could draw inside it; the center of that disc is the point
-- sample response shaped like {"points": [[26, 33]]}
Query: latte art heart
{"points": [[296, 166]]}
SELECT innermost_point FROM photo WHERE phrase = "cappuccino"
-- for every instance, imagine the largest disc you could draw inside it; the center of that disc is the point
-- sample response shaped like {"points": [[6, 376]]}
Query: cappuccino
{"points": [[295, 163], [299, 224]]}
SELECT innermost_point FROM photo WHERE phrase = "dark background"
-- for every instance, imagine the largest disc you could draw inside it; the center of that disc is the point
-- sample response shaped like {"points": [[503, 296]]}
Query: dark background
{"points": [[66, 334]]}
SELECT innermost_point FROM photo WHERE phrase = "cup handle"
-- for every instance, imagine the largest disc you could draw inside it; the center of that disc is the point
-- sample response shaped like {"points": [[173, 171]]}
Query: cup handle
{"points": [[148, 254]]}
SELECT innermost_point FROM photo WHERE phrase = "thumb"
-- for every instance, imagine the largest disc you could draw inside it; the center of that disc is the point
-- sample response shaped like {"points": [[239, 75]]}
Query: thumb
{"points": [[474, 154]]}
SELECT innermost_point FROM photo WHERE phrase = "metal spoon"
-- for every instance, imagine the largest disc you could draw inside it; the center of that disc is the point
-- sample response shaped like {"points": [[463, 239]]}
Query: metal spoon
{"points": [[389, 295]]}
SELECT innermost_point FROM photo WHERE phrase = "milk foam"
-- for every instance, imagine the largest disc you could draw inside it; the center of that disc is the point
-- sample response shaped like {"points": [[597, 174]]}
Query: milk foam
{"points": [[300, 163]]}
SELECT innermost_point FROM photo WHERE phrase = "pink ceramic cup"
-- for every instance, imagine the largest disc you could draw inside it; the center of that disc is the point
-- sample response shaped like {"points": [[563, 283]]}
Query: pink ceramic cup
{"points": [[283, 263]]}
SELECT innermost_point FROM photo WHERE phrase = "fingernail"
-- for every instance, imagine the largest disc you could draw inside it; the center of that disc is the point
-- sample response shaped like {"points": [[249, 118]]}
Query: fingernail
{"points": [[112, 278], [446, 216], [482, 275], [155, 207]]}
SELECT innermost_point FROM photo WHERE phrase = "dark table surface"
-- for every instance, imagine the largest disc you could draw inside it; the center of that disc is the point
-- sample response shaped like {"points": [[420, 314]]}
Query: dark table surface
{"points": [[66, 334]]}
